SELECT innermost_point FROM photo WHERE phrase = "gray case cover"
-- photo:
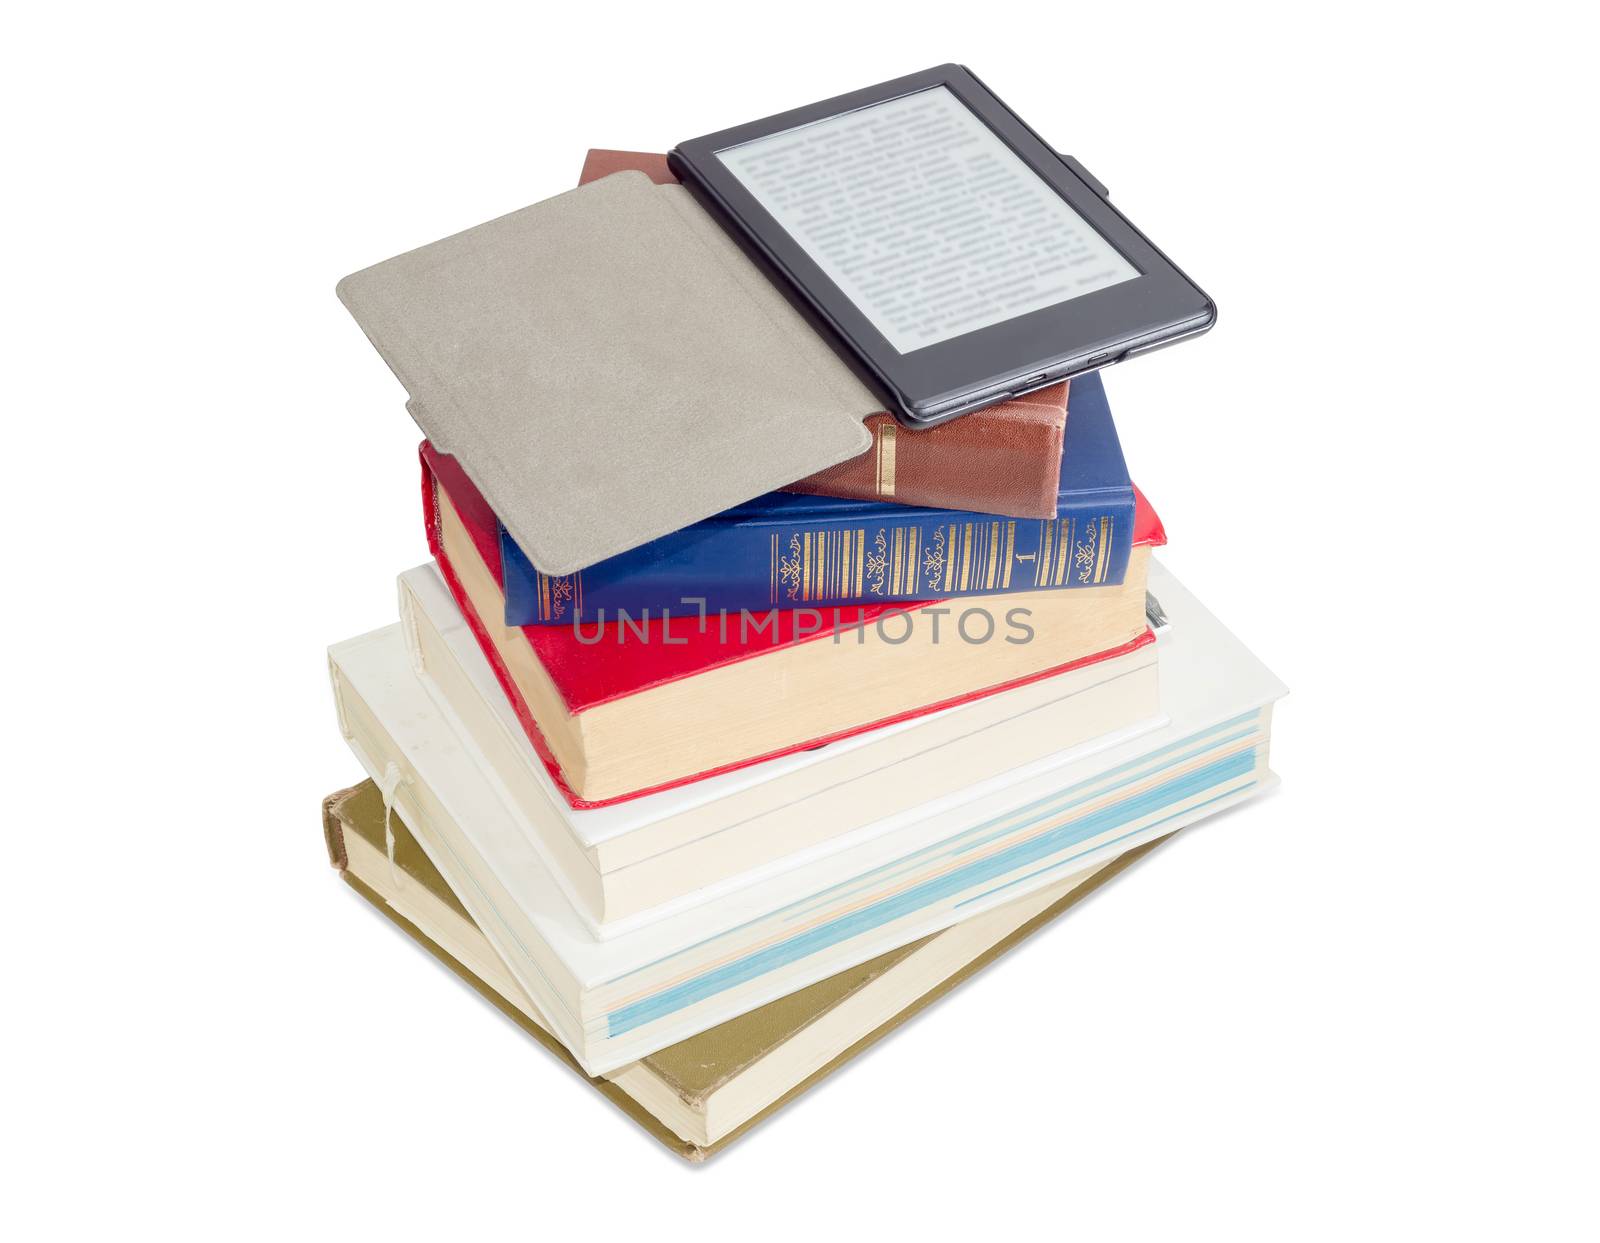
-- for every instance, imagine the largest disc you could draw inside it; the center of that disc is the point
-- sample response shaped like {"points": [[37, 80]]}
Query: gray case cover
{"points": [[608, 366]]}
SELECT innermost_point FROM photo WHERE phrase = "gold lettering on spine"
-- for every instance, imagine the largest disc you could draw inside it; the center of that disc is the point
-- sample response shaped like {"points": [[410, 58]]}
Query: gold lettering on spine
{"points": [[1063, 563], [1104, 561], [833, 565], [1011, 548], [886, 447], [1041, 567]]}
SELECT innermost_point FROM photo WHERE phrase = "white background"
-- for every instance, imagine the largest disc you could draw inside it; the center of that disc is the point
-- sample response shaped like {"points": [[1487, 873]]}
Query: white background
{"points": [[1364, 1005]]}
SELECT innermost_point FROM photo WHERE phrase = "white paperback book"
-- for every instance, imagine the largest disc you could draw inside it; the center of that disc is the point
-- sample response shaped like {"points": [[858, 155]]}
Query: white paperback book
{"points": [[612, 1001], [627, 864]]}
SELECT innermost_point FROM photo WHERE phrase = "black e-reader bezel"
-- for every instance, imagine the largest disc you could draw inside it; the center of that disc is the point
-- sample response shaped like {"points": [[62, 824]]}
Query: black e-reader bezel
{"points": [[979, 368]]}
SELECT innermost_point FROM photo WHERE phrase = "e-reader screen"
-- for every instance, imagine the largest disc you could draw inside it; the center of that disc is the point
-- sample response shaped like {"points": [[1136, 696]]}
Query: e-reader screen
{"points": [[924, 218]]}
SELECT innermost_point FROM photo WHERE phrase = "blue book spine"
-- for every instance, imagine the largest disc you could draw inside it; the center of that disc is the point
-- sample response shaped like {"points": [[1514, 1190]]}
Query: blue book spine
{"points": [[785, 551]]}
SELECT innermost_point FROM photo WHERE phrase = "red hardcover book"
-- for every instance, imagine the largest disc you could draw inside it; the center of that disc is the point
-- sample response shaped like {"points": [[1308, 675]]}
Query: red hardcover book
{"points": [[1003, 460], [626, 709]]}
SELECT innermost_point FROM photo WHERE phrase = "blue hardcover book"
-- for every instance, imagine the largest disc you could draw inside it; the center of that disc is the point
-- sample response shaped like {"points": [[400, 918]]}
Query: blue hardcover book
{"points": [[786, 551]]}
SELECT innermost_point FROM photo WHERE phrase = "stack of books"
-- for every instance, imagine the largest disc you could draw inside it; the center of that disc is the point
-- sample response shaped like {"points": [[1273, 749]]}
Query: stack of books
{"points": [[710, 817]]}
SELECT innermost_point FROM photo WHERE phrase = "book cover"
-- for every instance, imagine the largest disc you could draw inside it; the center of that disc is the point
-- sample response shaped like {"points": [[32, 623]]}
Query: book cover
{"points": [[789, 551], [686, 1076], [611, 367], [1003, 460]]}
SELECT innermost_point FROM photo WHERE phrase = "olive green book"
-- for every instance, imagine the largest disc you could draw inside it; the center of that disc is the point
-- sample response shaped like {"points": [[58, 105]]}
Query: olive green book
{"points": [[701, 1094]]}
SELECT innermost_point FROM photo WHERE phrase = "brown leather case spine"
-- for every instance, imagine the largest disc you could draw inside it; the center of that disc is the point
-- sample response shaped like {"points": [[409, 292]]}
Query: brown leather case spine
{"points": [[1003, 460]]}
